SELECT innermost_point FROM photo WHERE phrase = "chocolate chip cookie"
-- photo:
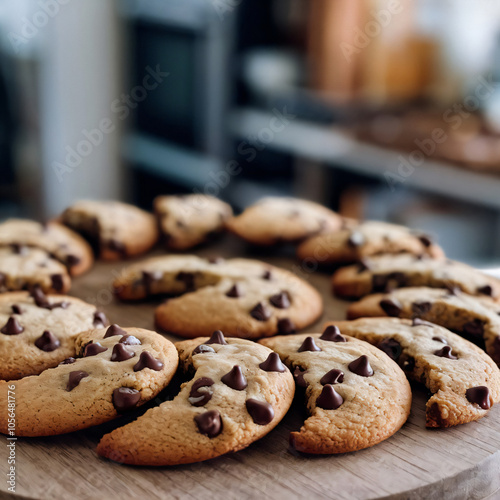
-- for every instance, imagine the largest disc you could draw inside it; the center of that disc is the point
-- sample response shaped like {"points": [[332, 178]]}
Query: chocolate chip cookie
{"points": [[475, 318], [246, 298], [239, 392], [356, 396], [116, 230], [280, 220], [366, 240], [388, 272], [24, 268], [57, 240], [38, 331], [463, 379], [187, 221], [116, 370]]}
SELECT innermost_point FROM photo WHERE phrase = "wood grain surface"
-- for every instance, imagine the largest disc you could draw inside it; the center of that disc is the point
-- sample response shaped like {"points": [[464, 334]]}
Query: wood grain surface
{"points": [[416, 463]]}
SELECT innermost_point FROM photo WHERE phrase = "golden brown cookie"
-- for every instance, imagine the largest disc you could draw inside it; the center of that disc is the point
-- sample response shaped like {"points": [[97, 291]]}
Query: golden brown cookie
{"points": [[187, 221], [116, 370], [38, 331], [245, 298], [276, 220], [388, 272], [57, 240], [25, 268], [463, 379], [367, 239], [117, 230], [473, 317], [356, 396], [238, 393]]}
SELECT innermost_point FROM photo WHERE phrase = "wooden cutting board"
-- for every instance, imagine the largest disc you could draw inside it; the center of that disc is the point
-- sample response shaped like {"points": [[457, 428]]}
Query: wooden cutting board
{"points": [[457, 463]]}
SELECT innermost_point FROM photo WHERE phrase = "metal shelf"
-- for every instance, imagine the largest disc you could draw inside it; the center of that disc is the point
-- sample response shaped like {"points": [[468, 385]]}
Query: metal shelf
{"points": [[336, 149]]}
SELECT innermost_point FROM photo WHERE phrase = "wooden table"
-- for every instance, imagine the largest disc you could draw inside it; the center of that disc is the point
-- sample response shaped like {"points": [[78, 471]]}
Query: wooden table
{"points": [[457, 463]]}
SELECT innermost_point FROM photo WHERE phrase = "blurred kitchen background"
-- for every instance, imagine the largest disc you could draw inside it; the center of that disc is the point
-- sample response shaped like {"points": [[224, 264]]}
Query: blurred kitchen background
{"points": [[385, 109]]}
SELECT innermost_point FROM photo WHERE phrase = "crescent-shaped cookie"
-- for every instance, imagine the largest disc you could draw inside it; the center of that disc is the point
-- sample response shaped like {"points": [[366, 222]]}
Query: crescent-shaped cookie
{"points": [[117, 230], [356, 396], [463, 379], [367, 239], [388, 272], [57, 240], [239, 392], [38, 331], [116, 370], [245, 298], [473, 317]]}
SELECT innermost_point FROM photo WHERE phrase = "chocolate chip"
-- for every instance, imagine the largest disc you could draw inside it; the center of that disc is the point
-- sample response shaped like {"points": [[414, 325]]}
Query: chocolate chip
{"points": [[309, 345], [332, 334], [267, 275], [57, 282], [188, 280], [19, 249], [280, 300], [421, 308], [361, 366], [12, 327], [475, 328], [100, 319], [16, 309], [332, 377], [388, 282], [68, 361], [202, 349], [329, 399], [217, 338], [114, 330], [150, 277], [146, 360], [121, 353], [3, 282], [445, 352], [72, 260], [93, 349], [421, 322], [209, 423], [39, 297], [74, 379], [452, 289], [363, 265], [116, 246], [440, 339], [356, 239], [391, 307], [260, 312], [235, 291], [407, 363], [48, 342], [261, 412], [298, 375], [486, 290], [130, 340], [286, 326], [235, 379], [216, 260], [480, 396], [201, 398], [391, 347], [125, 398], [272, 363], [426, 240]]}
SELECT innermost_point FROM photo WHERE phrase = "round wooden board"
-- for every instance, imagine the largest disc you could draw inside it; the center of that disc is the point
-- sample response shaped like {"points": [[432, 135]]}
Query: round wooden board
{"points": [[457, 463]]}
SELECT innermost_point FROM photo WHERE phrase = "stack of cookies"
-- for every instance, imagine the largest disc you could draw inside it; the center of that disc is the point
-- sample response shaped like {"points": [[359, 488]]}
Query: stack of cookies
{"points": [[244, 361]]}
